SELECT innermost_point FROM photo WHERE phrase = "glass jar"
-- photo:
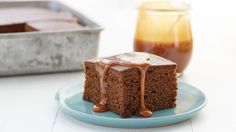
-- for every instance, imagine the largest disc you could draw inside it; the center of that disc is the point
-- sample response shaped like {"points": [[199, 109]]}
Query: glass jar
{"points": [[163, 28]]}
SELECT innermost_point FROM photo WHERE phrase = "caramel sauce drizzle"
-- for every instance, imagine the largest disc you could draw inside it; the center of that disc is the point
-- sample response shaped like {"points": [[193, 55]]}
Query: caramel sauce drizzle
{"points": [[135, 60]]}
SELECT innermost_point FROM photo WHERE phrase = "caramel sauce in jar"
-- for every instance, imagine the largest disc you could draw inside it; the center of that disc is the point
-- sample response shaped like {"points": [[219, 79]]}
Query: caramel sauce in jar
{"points": [[163, 28], [179, 53]]}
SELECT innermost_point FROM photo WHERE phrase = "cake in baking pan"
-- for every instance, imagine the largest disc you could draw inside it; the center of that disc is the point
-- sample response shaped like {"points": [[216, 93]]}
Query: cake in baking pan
{"points": [[28, 19]]}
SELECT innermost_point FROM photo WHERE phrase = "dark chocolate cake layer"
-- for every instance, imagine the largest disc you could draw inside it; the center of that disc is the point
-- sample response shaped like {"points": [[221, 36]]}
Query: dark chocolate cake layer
{"points": [[123, 85]]}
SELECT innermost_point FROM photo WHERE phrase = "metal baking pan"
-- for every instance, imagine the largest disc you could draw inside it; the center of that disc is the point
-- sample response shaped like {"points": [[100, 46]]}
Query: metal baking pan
{"points": [[47, 51]]}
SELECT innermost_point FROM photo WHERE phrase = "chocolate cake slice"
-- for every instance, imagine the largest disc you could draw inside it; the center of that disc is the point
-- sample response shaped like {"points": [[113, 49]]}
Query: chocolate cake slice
{"points": [[128, 84]]}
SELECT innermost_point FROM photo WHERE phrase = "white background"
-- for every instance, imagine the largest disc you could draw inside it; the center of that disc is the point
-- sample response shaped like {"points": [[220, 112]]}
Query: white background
{"points": [[27, 102]]}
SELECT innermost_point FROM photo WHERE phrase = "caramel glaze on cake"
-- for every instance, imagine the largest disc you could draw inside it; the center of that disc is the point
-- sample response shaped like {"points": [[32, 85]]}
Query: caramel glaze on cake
{"points": [[143, 62], [128, 60], [28, 19]]}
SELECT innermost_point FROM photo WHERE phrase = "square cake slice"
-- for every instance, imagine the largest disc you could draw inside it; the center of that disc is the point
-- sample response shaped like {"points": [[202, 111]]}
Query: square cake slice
{"points": [[122, 88]]}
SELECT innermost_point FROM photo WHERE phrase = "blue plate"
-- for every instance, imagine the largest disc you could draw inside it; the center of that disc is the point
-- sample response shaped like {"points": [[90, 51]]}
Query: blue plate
{"points": [[190, 101]]}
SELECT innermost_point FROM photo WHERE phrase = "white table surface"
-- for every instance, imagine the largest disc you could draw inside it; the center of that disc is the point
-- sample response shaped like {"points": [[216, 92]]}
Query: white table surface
{"points": [[27, 102]]}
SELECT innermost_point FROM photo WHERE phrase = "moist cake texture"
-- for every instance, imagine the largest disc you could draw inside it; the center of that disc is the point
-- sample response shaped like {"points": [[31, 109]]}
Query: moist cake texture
{"points": [[129, 84]]}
